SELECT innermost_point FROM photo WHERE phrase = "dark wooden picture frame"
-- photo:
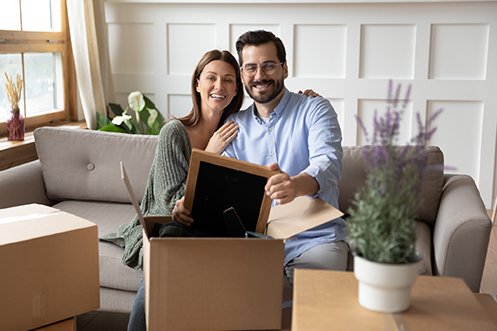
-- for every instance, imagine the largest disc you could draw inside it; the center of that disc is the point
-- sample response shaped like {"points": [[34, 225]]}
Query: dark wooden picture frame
{"points": [[216, 183]]}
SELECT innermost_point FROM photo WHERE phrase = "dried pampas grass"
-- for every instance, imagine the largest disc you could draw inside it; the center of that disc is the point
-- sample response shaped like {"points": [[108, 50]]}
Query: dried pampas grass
{"points": [[13, 90]]}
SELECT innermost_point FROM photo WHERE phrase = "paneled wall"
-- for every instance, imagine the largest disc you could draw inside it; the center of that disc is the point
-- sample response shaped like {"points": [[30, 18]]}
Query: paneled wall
{"points": [[346, 51]]}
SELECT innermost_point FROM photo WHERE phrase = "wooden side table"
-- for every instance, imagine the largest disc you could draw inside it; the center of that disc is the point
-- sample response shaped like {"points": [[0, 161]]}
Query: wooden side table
{"points": [[327, 300]]}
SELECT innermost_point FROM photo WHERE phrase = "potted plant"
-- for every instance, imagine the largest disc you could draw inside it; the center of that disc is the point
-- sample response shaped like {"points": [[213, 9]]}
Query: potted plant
{"points": [[146, 119], [381, 227]]}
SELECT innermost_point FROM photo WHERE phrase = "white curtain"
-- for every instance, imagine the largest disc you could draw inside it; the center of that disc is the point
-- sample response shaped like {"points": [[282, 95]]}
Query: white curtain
{"points": [[85, 49]]}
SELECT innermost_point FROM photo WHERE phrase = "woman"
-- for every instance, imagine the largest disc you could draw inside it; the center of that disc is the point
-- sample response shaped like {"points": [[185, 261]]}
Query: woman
{"points": [[217, 92]]}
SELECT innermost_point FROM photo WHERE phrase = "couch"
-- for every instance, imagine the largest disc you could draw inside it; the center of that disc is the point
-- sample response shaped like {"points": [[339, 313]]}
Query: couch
{"points": [[78, 172]]}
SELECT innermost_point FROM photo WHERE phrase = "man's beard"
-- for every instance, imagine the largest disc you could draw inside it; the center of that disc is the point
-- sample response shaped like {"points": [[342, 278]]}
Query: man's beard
{"points": [[278, 87]]}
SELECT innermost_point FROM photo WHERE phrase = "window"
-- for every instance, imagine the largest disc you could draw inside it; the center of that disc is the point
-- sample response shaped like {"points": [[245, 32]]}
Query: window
{"points": [[34, 43]]}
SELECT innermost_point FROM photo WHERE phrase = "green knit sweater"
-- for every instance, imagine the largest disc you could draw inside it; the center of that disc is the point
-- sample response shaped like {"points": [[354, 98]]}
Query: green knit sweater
{"points": [[166, 184]]}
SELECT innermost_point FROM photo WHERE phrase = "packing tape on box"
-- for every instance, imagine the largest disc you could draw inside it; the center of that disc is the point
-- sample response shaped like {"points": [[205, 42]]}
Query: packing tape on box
{"points": [[23, 218]]}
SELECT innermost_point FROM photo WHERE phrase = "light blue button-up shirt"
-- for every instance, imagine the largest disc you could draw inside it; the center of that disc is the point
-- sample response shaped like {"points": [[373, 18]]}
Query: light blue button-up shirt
{"points": [[302, 134]]}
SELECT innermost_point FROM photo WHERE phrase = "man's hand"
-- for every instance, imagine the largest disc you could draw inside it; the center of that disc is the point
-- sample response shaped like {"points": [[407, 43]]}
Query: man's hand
{"points": [[284, 189], [280, 187], [222, 137], [181, 214]]}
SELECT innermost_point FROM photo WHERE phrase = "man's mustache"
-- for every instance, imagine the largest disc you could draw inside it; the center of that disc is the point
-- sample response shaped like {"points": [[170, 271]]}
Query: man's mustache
{"points": [[262, 82]]}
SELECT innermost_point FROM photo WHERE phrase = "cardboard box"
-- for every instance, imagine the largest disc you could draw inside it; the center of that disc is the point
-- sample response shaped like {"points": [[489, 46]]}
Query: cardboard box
{"points": [[212, 283], [222, 283], [49, 266]]}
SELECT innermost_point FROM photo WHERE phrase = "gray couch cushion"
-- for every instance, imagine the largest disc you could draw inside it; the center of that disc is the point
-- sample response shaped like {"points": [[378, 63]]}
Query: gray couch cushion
{"points": [[83, 164], [117, 300], [108, 217], [354, 177]]}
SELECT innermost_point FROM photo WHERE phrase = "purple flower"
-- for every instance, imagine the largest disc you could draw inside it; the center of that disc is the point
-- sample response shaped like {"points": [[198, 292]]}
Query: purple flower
{"points": [[381, 223]]}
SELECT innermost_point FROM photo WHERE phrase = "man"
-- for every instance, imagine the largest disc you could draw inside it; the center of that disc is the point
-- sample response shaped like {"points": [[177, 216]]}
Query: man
{"points": [[300, 136]]}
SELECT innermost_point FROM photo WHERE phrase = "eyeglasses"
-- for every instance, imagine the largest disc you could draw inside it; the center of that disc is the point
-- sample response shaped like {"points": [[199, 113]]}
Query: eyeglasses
{"points": [[269, 67]]}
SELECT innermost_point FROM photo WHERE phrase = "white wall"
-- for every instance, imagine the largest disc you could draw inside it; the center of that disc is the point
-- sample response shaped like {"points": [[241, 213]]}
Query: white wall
{"points": [[345, 50]]}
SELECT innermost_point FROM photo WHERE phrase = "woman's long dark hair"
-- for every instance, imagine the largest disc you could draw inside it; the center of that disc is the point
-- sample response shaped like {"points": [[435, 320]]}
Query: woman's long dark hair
{"points": [[193, 117]]}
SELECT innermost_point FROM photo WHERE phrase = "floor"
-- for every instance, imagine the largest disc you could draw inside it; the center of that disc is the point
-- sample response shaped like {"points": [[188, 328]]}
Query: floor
{"points": [[105, 321], [102, 321]]}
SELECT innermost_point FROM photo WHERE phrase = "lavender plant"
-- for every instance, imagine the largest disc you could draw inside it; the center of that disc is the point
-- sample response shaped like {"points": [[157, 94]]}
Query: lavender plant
{"points": [[381, 226]]}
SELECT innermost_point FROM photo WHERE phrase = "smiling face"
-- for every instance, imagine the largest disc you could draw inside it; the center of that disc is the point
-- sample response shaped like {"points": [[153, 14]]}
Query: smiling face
{"points": [[263, 87], [217, 86]]}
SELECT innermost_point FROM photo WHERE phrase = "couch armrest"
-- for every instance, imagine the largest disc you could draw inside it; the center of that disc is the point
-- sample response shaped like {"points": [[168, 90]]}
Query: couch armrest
{"points": [[461, 231], [23, 184]]}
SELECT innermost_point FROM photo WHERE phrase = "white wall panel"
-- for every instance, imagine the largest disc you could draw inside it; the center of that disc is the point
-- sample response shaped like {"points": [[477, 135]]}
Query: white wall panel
{"points": [[345, 50], [387, 51], [459, 51], [329, 61], [461, 140], [127, 46], [183, 54]]}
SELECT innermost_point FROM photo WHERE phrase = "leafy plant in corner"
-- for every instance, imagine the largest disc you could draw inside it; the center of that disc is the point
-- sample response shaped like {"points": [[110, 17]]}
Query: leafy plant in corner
{"points": [[381, 227], [145, 119]]}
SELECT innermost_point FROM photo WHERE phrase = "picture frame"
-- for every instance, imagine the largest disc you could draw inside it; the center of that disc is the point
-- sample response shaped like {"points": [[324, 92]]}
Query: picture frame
{"points": [[216, 183]]}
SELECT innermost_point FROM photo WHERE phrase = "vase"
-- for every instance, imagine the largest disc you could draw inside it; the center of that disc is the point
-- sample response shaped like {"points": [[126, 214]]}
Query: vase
{"points": [[15, 126], [384, 287]]}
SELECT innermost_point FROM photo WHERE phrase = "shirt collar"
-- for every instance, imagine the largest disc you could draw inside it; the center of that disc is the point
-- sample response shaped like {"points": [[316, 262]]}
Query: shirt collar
{"points": [[278, 110]]}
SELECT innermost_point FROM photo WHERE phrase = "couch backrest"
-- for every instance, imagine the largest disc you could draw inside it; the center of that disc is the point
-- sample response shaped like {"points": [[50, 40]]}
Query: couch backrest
{"points": [[83, 164], [354, 177]]}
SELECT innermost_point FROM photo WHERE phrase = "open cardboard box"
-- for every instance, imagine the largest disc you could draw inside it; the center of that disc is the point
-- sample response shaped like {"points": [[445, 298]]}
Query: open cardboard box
{"points": [[222, 283], [49, 266], [212, 283]]}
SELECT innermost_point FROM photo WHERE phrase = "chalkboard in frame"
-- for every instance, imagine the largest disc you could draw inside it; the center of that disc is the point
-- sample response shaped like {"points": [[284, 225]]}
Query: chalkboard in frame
{"points": [[216, 183]]}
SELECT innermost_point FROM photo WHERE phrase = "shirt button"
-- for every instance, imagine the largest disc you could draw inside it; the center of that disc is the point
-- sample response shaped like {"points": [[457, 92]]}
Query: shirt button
{"points": [[90, 166]]}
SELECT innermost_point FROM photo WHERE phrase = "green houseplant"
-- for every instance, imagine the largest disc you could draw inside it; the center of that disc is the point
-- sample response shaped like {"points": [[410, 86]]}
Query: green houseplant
{"points": [[145, 118], [381, 227]]}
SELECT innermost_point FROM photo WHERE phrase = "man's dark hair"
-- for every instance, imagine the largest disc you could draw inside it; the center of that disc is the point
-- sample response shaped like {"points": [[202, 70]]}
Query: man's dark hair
{"points": [[259, 37]]}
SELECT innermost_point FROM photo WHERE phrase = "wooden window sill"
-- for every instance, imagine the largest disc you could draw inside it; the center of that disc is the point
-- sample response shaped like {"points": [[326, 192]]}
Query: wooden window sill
{"points": [[13, 153]]}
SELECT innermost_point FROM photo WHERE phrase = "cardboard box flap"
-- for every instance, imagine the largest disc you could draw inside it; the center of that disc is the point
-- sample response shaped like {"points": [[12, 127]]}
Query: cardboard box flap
{"points": [[303, 213], [148, 222]]}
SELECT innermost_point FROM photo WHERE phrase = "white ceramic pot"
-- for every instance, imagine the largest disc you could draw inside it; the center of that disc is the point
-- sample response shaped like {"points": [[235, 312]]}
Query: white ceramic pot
{"points": [[385, 287]]}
